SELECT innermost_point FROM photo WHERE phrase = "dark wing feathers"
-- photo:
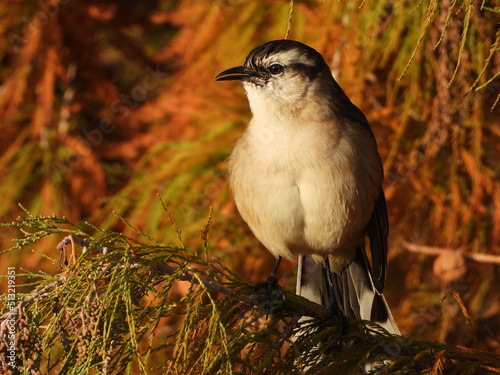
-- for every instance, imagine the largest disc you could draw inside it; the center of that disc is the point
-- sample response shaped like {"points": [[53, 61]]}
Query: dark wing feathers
{"points": [[378, 232]]}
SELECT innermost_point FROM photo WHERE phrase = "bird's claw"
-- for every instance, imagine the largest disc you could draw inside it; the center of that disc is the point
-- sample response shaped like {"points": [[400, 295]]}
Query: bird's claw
{"points": [[333, 313], [274, 296]]}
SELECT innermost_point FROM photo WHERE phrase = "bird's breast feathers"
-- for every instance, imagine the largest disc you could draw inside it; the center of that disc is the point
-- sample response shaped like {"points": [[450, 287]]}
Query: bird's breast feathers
{"points": [[295, 191]]}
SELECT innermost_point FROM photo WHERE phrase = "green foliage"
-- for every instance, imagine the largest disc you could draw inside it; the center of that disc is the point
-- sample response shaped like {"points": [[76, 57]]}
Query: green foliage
{"points": [[189, 176], [116, 308]]}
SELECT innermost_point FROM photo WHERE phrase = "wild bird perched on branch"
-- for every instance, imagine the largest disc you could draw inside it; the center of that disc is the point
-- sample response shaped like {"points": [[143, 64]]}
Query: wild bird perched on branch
{"points": [[307, 178]]}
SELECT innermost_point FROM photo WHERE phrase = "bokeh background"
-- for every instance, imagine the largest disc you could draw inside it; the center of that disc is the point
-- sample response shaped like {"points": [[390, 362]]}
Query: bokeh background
{"points": [[105, 106]]}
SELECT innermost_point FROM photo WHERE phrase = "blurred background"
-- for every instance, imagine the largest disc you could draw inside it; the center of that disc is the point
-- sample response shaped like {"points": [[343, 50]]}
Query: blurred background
{"points": [[107, 105]]}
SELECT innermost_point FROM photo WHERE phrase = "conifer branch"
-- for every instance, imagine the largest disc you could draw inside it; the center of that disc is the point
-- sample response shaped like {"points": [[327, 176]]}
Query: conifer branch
{"points": [[96, 315]]}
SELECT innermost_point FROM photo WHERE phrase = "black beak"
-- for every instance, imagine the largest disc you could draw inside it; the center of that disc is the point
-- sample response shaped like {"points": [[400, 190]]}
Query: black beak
{"points": [[235, 74]]}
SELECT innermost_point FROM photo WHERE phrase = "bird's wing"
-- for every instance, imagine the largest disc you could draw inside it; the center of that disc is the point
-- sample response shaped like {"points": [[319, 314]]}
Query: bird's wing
{"points": [[378, 232]]}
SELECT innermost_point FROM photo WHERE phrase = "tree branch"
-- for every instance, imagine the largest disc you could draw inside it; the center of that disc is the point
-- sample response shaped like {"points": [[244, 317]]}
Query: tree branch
{"points": [[435, 251]]}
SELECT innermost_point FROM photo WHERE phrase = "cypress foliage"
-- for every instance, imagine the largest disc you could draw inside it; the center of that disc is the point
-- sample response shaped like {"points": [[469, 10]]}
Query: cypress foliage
{"points": [[114, 308]]}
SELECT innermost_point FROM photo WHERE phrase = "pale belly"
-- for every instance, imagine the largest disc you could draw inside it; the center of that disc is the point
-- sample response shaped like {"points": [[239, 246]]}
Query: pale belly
{"points": [[304, 210]]}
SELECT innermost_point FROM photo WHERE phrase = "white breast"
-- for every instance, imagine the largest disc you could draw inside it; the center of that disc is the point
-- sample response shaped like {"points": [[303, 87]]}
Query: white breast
{"points": [[299, 192]]}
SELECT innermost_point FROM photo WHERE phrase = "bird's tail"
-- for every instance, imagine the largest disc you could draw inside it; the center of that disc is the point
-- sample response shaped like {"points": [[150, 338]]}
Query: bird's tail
{"points": [[353, 289]]}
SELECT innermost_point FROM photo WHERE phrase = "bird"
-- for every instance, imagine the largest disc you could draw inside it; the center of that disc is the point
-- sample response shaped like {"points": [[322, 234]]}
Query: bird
{"points": [[306, 176]]}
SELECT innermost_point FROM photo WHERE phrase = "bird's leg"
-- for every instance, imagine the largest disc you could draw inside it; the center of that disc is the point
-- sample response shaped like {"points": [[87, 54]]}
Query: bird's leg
{"points": [[275, 268], [274, 294], [334, 309]]}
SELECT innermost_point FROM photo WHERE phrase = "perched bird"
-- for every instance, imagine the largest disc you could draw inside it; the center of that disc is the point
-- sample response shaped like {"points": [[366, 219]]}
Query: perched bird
{"points": [[307, 177]]}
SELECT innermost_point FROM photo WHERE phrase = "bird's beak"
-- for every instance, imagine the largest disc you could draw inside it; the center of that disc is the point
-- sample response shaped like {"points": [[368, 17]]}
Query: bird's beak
{"points": [[238, 73]]}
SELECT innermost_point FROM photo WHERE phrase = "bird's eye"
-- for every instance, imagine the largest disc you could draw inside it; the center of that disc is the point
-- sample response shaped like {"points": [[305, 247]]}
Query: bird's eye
{"points": [[276, 69]]}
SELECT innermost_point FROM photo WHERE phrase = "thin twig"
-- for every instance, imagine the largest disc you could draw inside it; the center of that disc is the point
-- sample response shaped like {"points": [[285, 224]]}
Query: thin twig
{"points": [[16, 311], [435, 251], [460, 302], [287, 332]]}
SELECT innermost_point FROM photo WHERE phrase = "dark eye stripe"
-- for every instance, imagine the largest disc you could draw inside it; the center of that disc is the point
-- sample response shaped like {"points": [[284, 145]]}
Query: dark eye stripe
{"points": [[308, 70]]}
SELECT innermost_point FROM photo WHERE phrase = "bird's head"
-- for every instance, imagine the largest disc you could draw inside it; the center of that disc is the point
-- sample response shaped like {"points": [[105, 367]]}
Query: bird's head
{"points": [[283, 72]]}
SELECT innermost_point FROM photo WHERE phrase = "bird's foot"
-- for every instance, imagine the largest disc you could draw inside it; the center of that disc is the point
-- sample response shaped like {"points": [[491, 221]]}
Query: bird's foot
{"points": [[334, 314], [274, 297]]}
